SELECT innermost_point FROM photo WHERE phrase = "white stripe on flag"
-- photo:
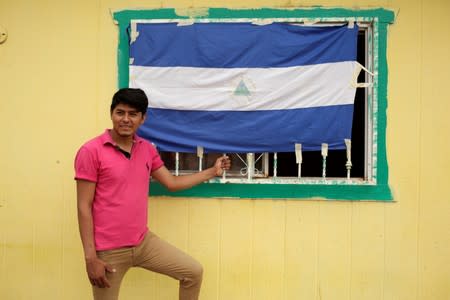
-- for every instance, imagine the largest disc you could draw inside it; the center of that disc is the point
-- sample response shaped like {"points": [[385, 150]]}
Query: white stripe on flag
{"points": [[246, 89]]}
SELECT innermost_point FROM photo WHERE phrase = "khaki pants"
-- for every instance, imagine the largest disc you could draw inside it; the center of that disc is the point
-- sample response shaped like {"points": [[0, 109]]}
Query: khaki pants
{"points": [[156, 255]]}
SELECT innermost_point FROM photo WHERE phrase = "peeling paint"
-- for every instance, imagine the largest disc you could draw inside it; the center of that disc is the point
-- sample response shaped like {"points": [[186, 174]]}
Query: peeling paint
{"points": [[192, 12]]}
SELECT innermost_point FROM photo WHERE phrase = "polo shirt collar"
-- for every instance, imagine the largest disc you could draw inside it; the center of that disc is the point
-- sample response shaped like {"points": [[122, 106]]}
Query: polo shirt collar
{"points": [[107, 139]]}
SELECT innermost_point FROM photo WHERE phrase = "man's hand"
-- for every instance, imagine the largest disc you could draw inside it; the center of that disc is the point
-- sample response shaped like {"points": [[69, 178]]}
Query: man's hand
{"points": [[176, 183], [96, 270], [222, 163]]}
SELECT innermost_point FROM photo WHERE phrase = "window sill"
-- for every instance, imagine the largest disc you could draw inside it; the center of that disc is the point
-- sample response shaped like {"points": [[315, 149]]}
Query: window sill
{"points": [[280, 191]]}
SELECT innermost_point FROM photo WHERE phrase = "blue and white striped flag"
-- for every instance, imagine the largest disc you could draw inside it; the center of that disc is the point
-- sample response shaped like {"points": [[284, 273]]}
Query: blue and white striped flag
{"points": [[239, 87]]}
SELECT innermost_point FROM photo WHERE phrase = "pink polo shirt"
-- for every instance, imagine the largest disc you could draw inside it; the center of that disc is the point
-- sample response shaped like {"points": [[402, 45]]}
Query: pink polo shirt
{"points": [[121, 194]]}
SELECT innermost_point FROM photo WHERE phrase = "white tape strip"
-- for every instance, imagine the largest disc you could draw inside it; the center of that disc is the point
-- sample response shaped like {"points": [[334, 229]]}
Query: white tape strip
{"points": [[355, 83], [351, 23], [365, 69], [324, 159], [324, 150], [200, 157], [348, 164], [133, 32], [298, 157], [262, 22], [187, 22], [298, 153], [199, 151], [348, 145], [309, 22]]}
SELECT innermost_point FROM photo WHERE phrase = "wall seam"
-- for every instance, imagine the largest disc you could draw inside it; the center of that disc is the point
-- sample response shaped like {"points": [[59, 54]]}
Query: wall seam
{"points": [[97, 69], [284, 249], [252, 253], [33, 281], [317, 290], [219, 250], [383, 282], [351, 251], [419, 175]]}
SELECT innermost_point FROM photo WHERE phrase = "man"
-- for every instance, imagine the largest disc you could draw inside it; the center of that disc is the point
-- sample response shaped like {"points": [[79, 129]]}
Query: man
{"points": [[112, 172]]}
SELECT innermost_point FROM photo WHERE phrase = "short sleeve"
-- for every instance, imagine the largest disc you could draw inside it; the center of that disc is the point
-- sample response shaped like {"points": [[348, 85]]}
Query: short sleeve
{"points": [[156, 159], [86, 166]]}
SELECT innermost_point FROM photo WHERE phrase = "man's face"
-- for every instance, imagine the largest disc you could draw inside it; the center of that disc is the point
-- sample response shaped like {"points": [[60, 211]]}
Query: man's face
{"points": [[126, 120]]}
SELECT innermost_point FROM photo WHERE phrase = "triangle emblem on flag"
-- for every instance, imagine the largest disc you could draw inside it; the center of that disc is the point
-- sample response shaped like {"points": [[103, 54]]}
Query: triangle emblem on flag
{"points": [[241, 89]]}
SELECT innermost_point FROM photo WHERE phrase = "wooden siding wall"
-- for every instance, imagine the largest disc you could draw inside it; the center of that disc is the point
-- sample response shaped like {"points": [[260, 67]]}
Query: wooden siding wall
{"points": [[57, 74]]}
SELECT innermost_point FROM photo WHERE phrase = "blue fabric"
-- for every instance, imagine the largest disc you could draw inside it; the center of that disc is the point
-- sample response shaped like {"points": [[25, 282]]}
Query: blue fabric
{"points": [[257, 131], [241, 45]]}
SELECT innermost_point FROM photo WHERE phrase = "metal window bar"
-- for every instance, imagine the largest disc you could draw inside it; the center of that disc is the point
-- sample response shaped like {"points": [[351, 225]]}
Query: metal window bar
{"points": [[275, 164], [250, 166], [348, 164], [250, 162], [200, 158], [177, 163], [298, 159], [224, 174], [256, 168], [324, 160]]}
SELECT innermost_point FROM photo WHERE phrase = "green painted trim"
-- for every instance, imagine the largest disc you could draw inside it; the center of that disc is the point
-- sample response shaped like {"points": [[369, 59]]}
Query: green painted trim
{"points": [[382, 166], [384, 16], [123, 56], [124, 17], [380, 191], [279, 191]]}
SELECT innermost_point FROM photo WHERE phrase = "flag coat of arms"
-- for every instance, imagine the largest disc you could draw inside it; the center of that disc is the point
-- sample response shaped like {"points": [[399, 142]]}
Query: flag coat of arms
{"points": [[240, 87]]}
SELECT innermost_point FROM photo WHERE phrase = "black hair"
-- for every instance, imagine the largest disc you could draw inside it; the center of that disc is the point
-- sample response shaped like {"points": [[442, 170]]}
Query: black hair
{"points": [[135, 98]]}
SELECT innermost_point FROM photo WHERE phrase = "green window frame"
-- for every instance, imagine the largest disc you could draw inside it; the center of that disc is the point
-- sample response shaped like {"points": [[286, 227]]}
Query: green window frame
{"points": [[375, 189]]}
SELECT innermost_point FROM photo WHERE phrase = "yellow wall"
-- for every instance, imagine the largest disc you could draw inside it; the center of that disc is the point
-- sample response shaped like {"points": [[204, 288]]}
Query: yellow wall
{"points": [[57, 74]]}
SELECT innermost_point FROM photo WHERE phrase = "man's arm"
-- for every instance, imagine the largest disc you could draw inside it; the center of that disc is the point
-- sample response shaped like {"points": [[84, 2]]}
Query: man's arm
{"points": [[95, 267], [175, 183]]}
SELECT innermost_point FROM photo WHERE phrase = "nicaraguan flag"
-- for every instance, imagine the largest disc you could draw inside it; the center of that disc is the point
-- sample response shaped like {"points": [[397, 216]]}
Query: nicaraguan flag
{"points": [[239, 87]]}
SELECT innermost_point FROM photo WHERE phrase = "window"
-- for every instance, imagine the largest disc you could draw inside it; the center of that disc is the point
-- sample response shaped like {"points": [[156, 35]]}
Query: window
{"points": [[276, 175]]}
